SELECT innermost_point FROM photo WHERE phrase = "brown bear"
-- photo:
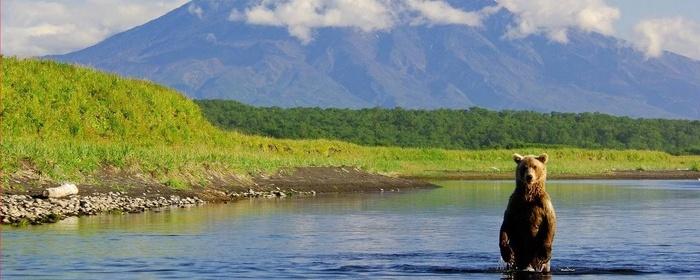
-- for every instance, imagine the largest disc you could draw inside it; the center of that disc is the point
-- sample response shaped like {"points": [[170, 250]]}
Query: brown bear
{"points": [[529, 222]]}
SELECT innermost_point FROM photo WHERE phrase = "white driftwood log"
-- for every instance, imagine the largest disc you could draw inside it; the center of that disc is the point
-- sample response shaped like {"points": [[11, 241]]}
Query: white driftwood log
{"points": [[63, 190]]}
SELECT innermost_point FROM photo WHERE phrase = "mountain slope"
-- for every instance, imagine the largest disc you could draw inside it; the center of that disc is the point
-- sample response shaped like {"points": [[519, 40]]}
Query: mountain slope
{"points": [[411, 66]]}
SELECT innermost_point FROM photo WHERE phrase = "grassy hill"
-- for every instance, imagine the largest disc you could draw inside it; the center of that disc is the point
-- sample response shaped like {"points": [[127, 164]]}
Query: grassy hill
{"points": [[65, 122], [48, 100]]}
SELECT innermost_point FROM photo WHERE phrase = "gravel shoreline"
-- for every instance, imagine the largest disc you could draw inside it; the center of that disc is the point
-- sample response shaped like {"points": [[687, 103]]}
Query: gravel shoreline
{"points": [[23, 202], [25, 209], [22, 210]]}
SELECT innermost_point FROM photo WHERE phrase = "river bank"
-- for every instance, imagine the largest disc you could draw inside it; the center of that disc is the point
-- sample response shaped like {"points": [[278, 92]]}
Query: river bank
{"points": [[122, 192]]}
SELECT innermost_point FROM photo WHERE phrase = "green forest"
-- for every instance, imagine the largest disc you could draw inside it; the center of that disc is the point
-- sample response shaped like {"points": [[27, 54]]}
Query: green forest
{"points": [[475, 128]]}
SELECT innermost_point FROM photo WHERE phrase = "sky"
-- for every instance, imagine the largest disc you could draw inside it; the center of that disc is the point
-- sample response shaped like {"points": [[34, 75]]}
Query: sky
{"points": [[41, 27]]}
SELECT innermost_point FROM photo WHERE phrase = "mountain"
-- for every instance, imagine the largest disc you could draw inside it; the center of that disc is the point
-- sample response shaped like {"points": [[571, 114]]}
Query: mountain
{"points": [[207, 56]]}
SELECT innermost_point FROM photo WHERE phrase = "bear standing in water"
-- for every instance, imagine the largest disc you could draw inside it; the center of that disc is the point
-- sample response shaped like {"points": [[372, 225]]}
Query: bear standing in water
{"points": [[529, 222]]}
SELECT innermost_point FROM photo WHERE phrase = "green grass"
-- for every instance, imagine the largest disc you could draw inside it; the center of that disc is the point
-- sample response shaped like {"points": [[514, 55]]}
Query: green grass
{"points": [[695, 166], [50, 101], [69, 122]]}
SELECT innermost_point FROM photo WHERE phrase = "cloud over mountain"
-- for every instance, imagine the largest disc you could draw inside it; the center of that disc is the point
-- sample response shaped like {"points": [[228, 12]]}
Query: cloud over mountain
{"points": [[301, 17], [554, 17], [550, 17], [439, 12], [675, 34]]}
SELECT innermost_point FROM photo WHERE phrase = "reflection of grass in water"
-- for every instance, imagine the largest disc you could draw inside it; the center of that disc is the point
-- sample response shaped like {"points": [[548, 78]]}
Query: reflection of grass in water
{"points": [[577, 194], [484, 194], [68, 122]]}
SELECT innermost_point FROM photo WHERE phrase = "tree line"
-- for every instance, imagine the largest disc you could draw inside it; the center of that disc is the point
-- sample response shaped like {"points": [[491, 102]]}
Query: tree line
{"points": [[473, 128]]}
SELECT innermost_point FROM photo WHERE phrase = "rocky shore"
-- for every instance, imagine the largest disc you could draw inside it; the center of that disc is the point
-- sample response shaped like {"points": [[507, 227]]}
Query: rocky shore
{"points": [[25, 209], [25, 200]]}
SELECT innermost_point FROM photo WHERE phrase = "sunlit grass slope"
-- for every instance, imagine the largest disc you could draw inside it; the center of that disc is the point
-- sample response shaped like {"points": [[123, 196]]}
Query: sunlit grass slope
{"points": [[67, 122], [51, 101]]}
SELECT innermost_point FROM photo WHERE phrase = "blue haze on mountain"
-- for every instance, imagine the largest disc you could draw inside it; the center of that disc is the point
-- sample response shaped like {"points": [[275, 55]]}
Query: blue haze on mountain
{"points": [[439, 66]]}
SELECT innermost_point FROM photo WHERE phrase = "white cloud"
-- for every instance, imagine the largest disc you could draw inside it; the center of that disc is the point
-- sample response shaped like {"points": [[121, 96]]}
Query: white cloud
{"points": [[440, 12], [33, 28], [301, 17], [554, 18], [677, 34]]}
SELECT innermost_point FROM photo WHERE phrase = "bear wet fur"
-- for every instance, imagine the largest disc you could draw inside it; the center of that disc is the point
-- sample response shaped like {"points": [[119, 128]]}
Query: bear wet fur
{"points": [[529, 222]]}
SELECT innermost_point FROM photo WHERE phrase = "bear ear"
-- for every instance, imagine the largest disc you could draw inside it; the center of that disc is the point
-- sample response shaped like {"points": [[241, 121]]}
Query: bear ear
{"points": [[543, 158], [517, 158]]}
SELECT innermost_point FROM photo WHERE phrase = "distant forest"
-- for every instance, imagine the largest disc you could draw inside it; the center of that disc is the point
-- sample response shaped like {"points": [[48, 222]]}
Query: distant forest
{"points": [[474, 128]]}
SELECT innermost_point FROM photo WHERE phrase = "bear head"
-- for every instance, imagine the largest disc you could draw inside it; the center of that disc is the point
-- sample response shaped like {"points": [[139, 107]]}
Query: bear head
{"points": [[531, 170]]}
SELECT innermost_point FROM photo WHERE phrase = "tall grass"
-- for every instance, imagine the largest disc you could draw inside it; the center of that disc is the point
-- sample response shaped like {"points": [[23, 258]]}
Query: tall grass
{"points": [[68, 122], [63, 160]]}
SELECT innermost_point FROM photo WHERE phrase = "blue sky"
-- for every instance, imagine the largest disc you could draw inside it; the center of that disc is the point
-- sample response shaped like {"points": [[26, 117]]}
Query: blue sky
{"points": [[41, 27]]}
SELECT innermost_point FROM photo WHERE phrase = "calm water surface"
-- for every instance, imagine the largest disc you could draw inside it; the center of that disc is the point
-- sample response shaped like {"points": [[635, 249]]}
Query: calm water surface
{"points": [[606, 229]]}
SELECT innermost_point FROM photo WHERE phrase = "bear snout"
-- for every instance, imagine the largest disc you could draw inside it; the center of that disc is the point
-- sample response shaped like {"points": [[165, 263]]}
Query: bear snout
{"points": [[528, 178]]}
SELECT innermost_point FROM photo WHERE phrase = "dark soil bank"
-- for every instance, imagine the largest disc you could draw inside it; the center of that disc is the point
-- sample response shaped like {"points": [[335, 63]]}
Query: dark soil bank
{"points": [[120, 192], [343, 179]]}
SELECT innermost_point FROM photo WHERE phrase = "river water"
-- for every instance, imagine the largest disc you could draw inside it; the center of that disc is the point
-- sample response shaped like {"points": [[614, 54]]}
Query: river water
{"points": [[606, 230]]}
